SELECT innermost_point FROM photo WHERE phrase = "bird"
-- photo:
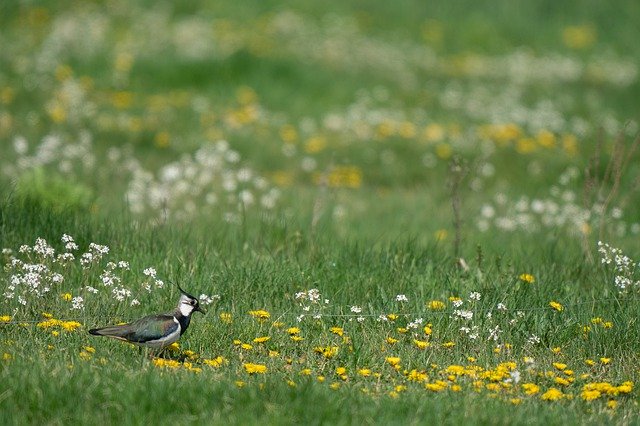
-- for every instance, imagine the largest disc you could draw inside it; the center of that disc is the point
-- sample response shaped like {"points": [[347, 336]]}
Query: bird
{"points": [[155, 331]]}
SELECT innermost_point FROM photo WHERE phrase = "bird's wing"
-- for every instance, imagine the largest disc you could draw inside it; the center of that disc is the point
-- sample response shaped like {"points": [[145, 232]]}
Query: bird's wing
{"points": [[152, 327]]}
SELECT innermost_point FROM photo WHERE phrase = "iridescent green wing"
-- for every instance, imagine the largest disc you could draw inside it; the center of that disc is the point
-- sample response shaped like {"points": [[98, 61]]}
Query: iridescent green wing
{"points": [[153, 327]]}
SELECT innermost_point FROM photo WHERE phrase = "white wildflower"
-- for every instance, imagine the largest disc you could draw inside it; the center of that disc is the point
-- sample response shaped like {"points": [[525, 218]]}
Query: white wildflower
{"points": [[77, 302], [401, 298], [467, 315], [150, 272]]}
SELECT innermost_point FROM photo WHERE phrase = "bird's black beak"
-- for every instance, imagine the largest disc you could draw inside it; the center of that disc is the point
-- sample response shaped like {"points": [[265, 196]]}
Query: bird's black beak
{"points": [[200, 309]]}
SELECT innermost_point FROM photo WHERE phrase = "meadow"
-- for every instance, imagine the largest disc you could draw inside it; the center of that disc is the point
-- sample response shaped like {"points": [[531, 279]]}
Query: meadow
{"points": [[393, 212]]}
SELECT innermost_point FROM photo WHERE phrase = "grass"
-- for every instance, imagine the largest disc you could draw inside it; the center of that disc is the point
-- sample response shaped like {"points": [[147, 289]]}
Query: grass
{"points": [[341, 123]]}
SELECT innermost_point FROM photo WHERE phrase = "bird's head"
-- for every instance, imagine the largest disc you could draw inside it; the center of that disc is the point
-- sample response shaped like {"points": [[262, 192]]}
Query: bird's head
{"points": [[188, 304]]}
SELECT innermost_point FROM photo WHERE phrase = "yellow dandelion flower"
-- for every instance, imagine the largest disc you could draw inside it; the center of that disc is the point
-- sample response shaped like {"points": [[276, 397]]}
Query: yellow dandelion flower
{"points": [[556, 306], [122, 99], [288, 133], [320, 379], [391, 340], [216, 362], [458, 370], [516, 401], [293, 330], [552, 394], [326, 351], [273, 354], [562, 381], [305, 371], [436, 305], [590, 395], [5, 318], [440, 235], [556, 350], [427, 330], [89, 349], [612, 404], [392, 317], [246, 346], [55, 333], [433, 132], [605, 361], [400, 388], [402, 330], [392, 360], [417, 376], [315, 144], [239, 383], [190, 354], [7, 356], [166, 363], [260, 315], [494, 387], [527, 278], [436, 386], [421, 344], [66, 297], [444, 151], [162, 139], [337, 330], [579, 36], [254, 368], [225, 317], [261, 339], [559, 365], [448, 344], [625, 387], [364, 372], [607, 324], [297, 338], [530, 388], [335, 385]]}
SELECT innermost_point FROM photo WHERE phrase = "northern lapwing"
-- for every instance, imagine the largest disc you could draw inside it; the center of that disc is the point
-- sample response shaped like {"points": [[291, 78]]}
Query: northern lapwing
{"points": [[155, 331]]}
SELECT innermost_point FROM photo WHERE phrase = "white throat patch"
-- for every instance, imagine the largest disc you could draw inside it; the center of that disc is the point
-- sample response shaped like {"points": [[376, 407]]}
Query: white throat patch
{"points": [[186, 308]]}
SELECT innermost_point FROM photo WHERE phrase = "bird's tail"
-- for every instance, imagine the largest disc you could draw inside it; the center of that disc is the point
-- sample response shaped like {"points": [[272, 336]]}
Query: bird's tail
{"points": [[112, 331]]}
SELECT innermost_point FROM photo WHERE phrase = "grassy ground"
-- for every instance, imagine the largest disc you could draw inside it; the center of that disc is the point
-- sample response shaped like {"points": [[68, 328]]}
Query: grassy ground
{"points": [[390, 211]]}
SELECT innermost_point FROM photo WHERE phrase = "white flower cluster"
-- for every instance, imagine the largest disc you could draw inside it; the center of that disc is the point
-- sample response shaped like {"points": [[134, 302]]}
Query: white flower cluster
{"points": [[37, 270], [623, 266], [561, 210], [311, 303], [53, 151], [213, 175], [35, 276], [205, 299]]}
